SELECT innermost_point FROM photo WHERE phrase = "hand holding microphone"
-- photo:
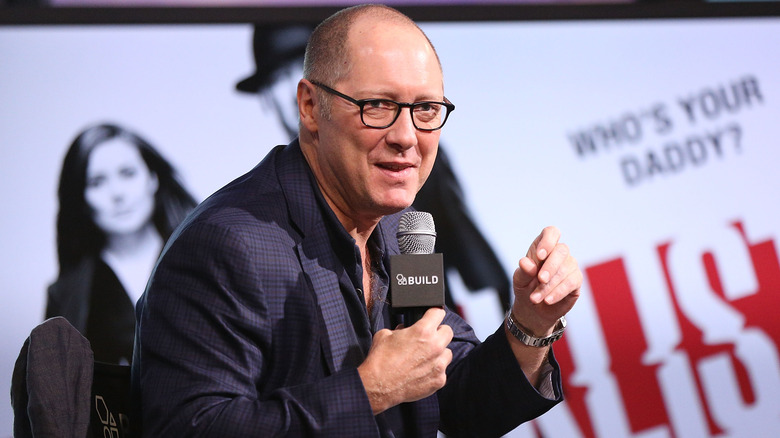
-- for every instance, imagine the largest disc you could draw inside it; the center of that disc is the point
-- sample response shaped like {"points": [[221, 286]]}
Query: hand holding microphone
{"points": [[410, 363], [407, 364]]}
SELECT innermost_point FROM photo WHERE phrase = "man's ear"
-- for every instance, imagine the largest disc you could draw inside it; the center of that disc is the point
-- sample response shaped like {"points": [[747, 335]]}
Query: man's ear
{"points": [[308, 107]]}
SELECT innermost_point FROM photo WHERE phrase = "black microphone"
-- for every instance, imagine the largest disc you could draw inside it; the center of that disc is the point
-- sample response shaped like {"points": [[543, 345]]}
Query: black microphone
{"points": [[417, 274]]}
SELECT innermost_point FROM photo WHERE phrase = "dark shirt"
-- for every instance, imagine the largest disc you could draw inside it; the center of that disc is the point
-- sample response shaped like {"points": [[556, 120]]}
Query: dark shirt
{"points": [[111, 320], [90, 296]]}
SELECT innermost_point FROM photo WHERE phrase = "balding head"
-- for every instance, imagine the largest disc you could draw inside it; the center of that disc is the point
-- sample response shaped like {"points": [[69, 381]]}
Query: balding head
{"points": [[327, 58]]}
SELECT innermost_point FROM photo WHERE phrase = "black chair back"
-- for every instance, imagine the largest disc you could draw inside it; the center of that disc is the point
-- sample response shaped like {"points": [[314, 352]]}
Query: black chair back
{"points": [[57, 388]]}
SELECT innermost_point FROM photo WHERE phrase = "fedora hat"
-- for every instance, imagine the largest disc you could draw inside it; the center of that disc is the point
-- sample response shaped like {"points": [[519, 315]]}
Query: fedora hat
{"points": [[274, 46]]}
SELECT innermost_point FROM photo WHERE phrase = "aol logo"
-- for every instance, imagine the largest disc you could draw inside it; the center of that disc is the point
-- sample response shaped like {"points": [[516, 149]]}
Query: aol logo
{"points": [[414, 280]]}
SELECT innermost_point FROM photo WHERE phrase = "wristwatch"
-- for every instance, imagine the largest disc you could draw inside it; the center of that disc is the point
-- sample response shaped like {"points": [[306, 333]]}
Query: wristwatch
{"points": [[531, 340]]}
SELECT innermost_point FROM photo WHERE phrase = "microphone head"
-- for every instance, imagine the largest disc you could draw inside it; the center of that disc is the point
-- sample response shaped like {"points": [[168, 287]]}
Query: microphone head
{"points": [[416, 233]]}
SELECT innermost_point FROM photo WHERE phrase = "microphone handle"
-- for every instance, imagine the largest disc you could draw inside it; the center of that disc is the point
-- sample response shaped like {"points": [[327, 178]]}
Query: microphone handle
{"points": [[413, 314]]}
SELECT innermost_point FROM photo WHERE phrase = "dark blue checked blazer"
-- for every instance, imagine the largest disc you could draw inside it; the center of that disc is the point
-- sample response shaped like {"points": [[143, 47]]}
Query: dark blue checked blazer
{"points": [[244, 331]]}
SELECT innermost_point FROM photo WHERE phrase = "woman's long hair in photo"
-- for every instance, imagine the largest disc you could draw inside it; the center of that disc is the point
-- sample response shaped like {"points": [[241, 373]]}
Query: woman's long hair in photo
{"points": [[77, 234]]}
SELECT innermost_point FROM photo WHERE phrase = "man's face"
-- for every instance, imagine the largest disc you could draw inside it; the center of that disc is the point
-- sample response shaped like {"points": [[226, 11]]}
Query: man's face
{"points": [[367, 172]]}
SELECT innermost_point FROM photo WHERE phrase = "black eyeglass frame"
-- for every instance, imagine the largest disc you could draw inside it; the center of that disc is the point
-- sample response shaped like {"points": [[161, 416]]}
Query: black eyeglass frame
{"points": [[401, 105]]}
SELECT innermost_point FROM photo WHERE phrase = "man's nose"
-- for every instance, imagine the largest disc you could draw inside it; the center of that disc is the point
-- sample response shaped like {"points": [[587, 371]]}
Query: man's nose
{"points": [[403, 134]]}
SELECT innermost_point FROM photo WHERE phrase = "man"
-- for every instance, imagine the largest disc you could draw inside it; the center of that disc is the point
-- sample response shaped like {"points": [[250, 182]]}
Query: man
{"points": [[278, 54], [266, 315]]}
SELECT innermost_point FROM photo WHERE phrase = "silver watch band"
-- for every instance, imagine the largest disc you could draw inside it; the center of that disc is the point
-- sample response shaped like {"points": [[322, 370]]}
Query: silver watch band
{"points": [[531, 340]]}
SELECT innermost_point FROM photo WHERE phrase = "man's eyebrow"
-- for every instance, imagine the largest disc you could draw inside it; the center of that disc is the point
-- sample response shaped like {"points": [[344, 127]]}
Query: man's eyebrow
{"points": [[390, 96]]}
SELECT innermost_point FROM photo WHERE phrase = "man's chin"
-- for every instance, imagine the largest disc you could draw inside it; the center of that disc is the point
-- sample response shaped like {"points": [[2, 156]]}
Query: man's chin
{"points": [[395, 205], [389, 210]]}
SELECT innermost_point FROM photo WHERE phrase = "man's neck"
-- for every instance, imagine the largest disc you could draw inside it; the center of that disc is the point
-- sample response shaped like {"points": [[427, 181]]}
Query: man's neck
{"points": [[357, 225]]}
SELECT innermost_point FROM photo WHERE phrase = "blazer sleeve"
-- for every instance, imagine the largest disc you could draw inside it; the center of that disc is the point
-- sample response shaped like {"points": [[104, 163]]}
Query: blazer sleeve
{"points": [[228, 343], [487, 393]]}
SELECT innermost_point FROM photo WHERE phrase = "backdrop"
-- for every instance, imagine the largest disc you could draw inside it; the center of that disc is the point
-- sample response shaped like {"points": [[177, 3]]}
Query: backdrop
{"points": [[651, 144]]}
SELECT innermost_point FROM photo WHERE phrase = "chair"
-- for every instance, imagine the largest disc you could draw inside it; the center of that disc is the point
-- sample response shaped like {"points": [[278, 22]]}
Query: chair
{"points": [[58, 390]]}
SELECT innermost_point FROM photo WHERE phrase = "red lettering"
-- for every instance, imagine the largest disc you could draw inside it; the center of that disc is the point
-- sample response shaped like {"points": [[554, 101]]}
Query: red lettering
{"points": [[626, 342], [574, 394], [759, 309], [754, 307], [638, 384]]}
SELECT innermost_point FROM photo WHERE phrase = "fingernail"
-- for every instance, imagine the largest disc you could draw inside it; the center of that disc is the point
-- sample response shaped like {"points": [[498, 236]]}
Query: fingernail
{"points": [[542, 253], [536, 297], [550, 299], [544, 277]]}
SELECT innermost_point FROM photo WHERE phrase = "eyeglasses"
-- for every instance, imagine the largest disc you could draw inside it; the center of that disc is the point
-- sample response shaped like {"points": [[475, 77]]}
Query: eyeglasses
{"points": [[382, 113]]}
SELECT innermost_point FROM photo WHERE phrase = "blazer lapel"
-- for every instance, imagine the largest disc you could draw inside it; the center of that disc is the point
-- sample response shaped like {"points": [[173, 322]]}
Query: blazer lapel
{"points": [[340, 341], [317, 259]]}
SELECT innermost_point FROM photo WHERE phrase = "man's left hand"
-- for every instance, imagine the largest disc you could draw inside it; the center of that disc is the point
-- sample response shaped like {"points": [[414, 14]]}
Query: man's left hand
{"points": [[546, 283]]}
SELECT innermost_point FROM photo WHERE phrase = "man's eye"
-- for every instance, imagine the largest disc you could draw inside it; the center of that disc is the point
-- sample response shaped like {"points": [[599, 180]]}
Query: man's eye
{"points": [[427, 111], [424, 107], [379, 104]]}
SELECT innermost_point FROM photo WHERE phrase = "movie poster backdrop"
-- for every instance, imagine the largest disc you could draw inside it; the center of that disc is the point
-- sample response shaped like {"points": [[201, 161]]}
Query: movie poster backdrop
{"points": [[652, 145]]}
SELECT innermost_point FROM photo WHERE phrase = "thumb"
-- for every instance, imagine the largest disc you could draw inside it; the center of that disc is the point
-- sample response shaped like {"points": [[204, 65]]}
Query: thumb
{"points": [[525, 273]]}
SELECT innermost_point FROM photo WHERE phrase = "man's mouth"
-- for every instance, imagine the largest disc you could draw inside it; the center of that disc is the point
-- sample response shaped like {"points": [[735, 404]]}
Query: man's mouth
{"points": [[395, 167]]}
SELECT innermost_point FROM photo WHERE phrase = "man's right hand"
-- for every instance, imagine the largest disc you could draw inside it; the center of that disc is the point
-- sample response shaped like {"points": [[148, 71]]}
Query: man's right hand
{"points": [[407, 364]]}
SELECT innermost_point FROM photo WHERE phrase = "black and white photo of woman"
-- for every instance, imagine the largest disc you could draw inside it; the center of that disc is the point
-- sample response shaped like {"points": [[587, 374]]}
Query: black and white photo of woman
{"points": [[119, 201]]}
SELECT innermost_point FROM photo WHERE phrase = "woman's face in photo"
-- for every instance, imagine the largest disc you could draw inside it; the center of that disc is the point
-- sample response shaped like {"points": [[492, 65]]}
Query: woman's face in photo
{"points": [[120, 188]]}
